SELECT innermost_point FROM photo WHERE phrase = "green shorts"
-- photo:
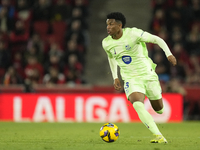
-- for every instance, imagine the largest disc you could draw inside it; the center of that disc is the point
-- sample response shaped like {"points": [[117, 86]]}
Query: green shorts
{"points": [[151, 88]]}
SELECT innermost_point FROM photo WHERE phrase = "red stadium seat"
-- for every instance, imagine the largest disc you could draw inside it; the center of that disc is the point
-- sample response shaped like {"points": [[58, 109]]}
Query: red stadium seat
{"points": [[59, 28], [2, 72], [41, 27], [58, 31]]}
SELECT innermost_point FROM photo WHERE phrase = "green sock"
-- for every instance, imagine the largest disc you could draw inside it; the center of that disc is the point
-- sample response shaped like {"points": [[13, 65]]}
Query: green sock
{"points": [[146, 118], [160, 111]]}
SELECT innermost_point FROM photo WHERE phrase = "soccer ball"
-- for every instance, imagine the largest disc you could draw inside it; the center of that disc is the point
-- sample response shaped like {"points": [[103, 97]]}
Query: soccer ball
{"points": [[109, 132]]}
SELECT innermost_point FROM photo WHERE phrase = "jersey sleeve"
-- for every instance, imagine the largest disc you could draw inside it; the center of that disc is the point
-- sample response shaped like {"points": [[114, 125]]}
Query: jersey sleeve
{"points": [[111, 60], [149, 38], [140, 35], [104, 45]]}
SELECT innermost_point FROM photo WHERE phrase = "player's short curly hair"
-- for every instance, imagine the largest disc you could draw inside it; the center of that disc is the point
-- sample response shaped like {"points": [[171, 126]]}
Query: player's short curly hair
{"points": [[118, 16]]}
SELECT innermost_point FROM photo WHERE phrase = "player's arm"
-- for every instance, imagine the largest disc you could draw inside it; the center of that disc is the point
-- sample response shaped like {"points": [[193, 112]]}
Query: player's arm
{"points": [[147, 37], [113, 67]]}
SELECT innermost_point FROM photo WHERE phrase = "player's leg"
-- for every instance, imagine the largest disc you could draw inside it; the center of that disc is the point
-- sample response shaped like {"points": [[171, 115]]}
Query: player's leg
{"points": [[157, 105], [153, 92], [136, 97]]}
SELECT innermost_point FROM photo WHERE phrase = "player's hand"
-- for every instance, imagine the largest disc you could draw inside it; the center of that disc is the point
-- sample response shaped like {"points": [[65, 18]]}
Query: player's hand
{"points": [[172, 60], [117, 84]]}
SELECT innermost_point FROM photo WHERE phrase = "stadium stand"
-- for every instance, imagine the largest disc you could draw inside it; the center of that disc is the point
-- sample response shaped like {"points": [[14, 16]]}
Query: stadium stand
{"points": [[33, 41], [178, 23], [44, 42]]}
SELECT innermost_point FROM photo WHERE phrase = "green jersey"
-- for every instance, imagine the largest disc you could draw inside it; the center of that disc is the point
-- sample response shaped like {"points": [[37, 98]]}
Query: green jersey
{"points": [[131, 55]]}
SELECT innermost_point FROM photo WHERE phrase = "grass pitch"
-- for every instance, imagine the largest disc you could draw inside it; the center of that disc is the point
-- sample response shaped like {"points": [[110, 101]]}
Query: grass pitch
{"points": [[85, 136]]}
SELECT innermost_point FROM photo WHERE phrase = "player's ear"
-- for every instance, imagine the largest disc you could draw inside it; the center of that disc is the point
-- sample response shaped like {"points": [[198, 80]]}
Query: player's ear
{"points": [[120, 25]]}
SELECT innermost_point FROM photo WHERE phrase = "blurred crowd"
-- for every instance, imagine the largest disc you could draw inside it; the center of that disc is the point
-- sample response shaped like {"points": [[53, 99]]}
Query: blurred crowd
{"points": [[43, 41], [178, 23]]}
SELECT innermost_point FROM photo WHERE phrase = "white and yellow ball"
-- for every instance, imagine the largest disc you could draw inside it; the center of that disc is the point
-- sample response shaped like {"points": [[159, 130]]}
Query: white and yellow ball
{"points": [[109, 132]]}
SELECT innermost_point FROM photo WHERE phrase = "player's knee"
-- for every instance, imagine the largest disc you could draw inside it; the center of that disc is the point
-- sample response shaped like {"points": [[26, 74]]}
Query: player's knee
{"points": [[135, 97], [138, 105], [160, 111]]}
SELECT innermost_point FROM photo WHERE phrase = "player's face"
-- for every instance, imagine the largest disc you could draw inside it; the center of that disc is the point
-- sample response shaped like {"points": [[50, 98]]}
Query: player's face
{"points": [[112, 27]]}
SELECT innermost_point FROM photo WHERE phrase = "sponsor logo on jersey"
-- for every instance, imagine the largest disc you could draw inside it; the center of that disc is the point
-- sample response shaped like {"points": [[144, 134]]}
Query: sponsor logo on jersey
{"points": [[127, 47], [126, 59]]}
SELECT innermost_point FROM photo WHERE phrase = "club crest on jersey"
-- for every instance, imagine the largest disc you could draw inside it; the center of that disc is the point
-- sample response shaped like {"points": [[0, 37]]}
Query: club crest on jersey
{"points": [[126, 59], [127, 47]]}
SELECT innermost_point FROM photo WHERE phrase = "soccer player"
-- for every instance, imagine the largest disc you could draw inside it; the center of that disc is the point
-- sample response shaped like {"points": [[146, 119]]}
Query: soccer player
{"points": [[126, 48]]}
